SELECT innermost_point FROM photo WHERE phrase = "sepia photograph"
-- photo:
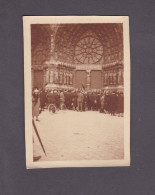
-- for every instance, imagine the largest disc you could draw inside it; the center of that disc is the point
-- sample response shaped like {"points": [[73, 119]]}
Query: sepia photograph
{"points": [[77, 91]]}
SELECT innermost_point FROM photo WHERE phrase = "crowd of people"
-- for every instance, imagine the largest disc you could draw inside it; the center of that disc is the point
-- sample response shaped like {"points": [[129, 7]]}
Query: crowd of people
{"points": [[108, 102]]}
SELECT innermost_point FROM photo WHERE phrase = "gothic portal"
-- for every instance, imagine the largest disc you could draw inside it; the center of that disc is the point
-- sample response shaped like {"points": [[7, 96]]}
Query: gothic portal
{"points": [[77, 55]]}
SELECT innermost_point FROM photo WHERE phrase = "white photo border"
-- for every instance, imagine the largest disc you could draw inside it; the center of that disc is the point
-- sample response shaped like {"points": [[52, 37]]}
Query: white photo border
{"points": [[27, 21]]}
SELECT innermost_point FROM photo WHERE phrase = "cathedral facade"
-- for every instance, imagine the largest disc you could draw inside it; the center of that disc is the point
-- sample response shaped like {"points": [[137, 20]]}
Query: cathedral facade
{"points": [[77, 55]]}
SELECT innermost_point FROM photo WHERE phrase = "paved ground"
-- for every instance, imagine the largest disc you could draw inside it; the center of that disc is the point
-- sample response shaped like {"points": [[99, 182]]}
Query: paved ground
{"points": [[75, 135]]}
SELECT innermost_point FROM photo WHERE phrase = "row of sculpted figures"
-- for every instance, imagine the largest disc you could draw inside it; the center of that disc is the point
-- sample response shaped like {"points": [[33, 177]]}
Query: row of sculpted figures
{"points": [[61, 77], [114, 77]]}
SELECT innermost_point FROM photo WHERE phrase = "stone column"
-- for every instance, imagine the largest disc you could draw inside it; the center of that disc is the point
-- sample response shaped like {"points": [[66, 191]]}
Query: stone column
{"points": [[56, 76], [88, 78]]}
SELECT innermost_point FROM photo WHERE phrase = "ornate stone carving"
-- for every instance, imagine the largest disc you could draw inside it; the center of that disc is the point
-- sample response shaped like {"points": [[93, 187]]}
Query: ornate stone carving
{"points": [[56, 77]]}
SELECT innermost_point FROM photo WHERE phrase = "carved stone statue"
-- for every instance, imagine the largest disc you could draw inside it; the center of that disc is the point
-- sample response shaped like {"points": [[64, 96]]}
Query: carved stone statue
{"points": [[71, 78], [122, 77], [114, 78], [119, 77], [56, 78], [110, 77], [51, 76], [60, 77], [65, 78], [105, 78]]}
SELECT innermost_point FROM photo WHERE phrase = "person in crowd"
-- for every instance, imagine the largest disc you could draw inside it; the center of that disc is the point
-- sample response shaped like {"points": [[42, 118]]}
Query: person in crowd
{"points": [[50, 97], [56, 99], [112, 103], [98, 100], [120, 104], [46, 101], [42, 99], [89, 100], [70, 100], [35, 111], [67, 99], [92, 100], [74, 100], [95, 101], [84, 102], [106, 102], [80, 99], [62, 99], [102, 103], [35, 103]]}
